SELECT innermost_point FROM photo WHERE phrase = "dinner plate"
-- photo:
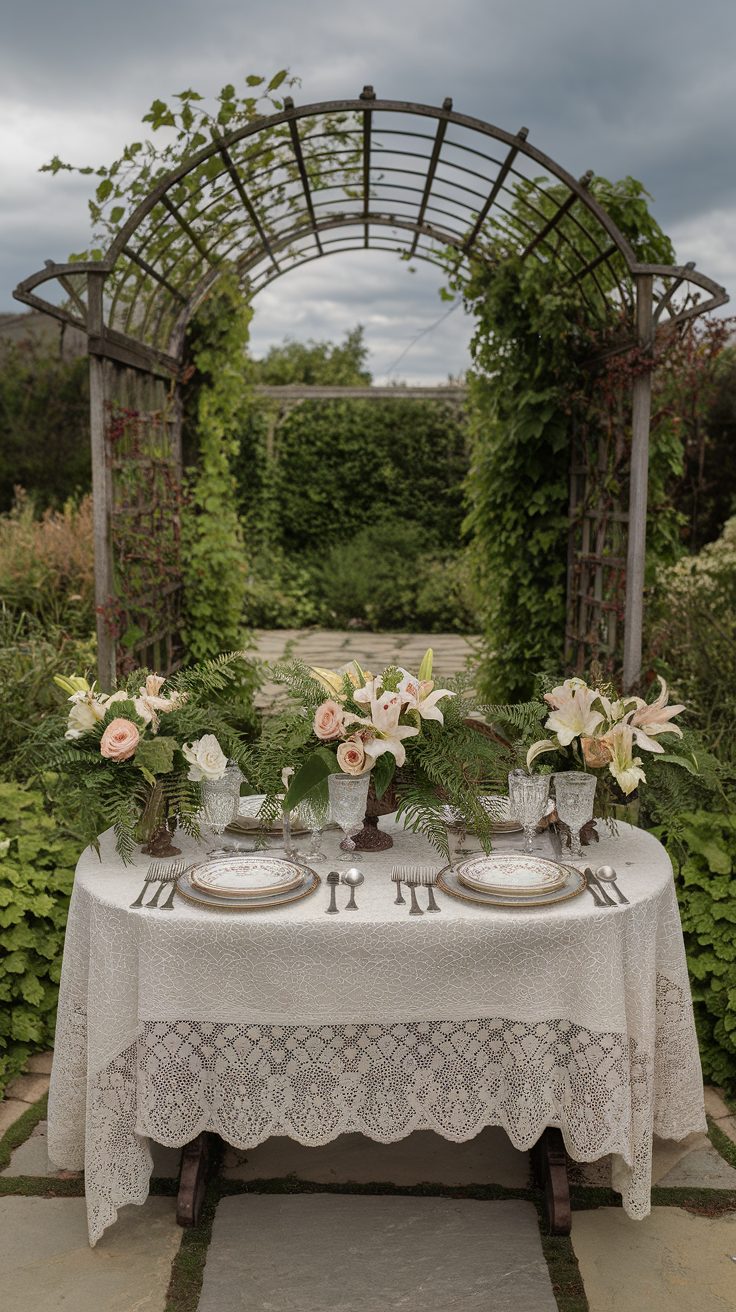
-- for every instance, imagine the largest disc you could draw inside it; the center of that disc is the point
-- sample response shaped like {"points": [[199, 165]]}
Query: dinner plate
{"points": [[248, 821], [202, 897], [497, 807], [514, 873], [245, 875], [574, 884]]}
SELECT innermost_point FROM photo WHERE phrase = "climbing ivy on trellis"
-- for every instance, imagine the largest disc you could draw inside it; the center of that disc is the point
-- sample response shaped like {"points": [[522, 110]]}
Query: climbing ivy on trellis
{"points": [[529, 387]]}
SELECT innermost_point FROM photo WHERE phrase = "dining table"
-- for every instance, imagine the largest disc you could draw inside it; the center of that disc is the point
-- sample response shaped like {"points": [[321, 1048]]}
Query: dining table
{"points": [[569, 1024]]}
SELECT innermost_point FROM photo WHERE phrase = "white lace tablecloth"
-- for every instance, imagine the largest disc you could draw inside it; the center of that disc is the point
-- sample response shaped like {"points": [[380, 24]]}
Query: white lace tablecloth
{"points": [[296, 1023]]}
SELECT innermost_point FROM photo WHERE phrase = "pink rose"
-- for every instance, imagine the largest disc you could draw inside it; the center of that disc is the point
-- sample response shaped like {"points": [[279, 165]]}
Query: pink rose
{"points": [[328, 720], [351, 756], [119, 740]]}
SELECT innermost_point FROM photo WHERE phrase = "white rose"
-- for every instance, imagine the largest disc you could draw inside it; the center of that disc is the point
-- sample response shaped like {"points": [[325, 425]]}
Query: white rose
{"points": [[85, 712], [206, 758]]}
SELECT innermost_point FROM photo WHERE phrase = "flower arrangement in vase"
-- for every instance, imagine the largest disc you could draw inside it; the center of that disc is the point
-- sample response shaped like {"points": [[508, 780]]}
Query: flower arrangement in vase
{"points": [[135, 759], [411, 737]]}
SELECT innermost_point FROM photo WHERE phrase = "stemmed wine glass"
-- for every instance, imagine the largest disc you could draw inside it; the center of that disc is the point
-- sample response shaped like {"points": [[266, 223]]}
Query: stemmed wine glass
{"points": [[314, 811], [220, 800], [528, 797], [348, 799], [574, 793]]}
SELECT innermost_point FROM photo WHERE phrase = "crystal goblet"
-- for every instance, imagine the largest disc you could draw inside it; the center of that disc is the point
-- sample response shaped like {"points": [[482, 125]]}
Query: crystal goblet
{"points": [[314, 812], [220, 800], [574, 794], [528, 797], [348, 799]]}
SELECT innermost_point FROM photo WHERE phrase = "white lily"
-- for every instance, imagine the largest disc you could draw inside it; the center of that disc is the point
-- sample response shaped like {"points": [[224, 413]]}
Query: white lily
{"points": [[649, 719], [624, 766], [422, 696], [385, 712], [573, 712]]}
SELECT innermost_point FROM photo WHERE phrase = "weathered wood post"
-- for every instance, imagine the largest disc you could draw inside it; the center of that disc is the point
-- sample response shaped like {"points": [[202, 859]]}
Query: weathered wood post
{"points": [[638, 481], [101, 483]]}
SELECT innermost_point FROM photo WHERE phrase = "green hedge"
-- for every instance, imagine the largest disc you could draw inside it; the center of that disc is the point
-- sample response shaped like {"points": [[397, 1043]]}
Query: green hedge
{"points": [[37, 862], [706, 888]]}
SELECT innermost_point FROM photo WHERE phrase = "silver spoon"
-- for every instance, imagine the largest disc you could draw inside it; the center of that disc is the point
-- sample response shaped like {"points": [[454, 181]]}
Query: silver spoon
{"points": [[353, 879], [609, 876]]}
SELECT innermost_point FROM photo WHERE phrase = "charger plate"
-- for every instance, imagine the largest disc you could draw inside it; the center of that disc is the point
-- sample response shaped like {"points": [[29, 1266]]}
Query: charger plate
{"points": [[245, 875], [200, 897], [247, 821], [517, 873], [575, 883]]}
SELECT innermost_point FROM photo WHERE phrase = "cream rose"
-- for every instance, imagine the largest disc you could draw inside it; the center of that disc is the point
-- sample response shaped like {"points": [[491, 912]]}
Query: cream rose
{"points": [[85, 712], [206, 758], [328, 720], [120, 739], [351, 756]]}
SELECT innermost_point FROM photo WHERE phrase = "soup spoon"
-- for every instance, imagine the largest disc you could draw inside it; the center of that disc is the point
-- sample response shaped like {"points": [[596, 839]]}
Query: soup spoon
{"points": [[608, 875], [353, 878]]}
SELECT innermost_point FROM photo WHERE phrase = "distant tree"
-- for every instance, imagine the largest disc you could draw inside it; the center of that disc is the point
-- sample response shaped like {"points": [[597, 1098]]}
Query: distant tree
{"points": [[44, 424], [316, 363]]}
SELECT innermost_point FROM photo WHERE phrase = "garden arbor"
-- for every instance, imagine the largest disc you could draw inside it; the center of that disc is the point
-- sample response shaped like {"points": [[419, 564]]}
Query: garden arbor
{"points": [[301, 184]]}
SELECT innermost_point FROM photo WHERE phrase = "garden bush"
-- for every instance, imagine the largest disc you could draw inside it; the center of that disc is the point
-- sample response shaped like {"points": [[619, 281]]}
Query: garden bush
{"points": [[44, 423], [47, 563], [37, 861]]}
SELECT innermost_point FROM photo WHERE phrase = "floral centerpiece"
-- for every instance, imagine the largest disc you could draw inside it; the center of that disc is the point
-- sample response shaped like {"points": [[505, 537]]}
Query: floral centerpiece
{"points": [[415, 740], [596, 728], [135, 758]]}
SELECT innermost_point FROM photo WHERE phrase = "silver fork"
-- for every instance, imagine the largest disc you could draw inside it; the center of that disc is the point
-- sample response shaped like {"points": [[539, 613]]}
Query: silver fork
{"points": [[170, 877], [399, 900], [429, 879], [152, 874], [409, 876], [168, 905]]}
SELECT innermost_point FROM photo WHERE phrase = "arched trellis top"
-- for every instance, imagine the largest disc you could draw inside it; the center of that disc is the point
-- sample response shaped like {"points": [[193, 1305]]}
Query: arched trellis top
{"points": [[316, 180]]}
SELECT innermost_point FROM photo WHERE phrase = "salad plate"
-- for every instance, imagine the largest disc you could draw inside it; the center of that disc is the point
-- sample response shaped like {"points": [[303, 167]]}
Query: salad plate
{"points": [[245, 875], [511, 873]]}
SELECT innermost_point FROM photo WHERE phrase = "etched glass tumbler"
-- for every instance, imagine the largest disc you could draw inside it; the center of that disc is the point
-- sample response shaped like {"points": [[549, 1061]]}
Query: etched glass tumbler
{"points": [[348, 800], [528, 797], [574, 793], [220, 799]]}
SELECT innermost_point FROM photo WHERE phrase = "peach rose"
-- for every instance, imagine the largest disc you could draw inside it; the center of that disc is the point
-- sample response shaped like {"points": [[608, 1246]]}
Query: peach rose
{"points": [[328, 720], [119, 740], [351, 756]]}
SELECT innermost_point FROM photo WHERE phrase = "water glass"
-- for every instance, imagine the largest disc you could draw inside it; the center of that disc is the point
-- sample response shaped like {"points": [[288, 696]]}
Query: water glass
{"points": [[348, 801], [528, 798], [314, 812], [221, 798], [574, 793]]}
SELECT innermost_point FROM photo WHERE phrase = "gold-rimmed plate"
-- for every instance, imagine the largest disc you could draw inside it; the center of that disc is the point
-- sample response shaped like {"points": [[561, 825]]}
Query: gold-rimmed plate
{"points": [[515, 873], [201, 897], [245, 875], [574, 884]]}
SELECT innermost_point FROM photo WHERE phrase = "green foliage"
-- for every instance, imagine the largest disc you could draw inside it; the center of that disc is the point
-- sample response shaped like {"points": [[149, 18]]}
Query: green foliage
{"points": [[693, 638], [316, 363], [213, 551], [46, 564], [44, 424], [706, 883], [37, 860], [531, 347]]}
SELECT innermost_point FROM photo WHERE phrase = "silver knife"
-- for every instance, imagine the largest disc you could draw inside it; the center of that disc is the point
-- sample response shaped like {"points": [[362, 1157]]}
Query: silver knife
{"points": [[603, 891]]}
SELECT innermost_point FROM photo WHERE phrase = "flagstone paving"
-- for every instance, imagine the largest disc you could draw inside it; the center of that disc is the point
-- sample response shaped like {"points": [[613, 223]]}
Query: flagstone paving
{"points": [[345, 1254], [335, 647]]}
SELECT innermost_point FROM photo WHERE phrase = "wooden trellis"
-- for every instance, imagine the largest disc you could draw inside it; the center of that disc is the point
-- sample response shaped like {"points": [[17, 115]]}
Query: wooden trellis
{"points": [[316, 180]]}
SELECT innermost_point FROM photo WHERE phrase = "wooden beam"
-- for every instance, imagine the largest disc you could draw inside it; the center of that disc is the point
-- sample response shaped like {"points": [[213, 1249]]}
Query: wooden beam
{"points": [[186, 227], [503, 172], [638, 483], [367, 94], [297, 392], [299, 157], [154, 273], [432, 169], [101, 488], [245, 199], [559, 214]]}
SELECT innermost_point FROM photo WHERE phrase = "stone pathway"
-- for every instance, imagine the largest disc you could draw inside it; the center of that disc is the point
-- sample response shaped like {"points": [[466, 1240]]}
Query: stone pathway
{"points": [[335, 647], [295, 1230]]}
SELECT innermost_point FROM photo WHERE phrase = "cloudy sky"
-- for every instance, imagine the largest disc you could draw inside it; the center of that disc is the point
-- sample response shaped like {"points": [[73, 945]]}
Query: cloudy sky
{"points": [[640, 87]]}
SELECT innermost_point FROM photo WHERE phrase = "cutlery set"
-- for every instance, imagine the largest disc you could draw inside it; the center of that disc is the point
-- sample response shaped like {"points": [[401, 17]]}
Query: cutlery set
{"points": [[415, 877], [596, 886], [352, 878], [161, 873]]}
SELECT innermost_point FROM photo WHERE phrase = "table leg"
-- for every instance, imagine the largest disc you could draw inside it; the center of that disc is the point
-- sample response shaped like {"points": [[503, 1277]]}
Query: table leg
{"points": [[549, 1163], [196, 1164]]}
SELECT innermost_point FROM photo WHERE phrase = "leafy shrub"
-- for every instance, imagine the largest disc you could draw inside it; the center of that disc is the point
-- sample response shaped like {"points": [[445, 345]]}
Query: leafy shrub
{"points": [[44, 422], [37, 863], [705, 891], [30, 655], [47, 563], [694, 637], [282, 593]]}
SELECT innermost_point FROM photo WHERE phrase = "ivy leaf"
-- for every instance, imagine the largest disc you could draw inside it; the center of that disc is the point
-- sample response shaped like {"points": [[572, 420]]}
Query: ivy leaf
{"points": [[253, 81], [276, 80]]}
